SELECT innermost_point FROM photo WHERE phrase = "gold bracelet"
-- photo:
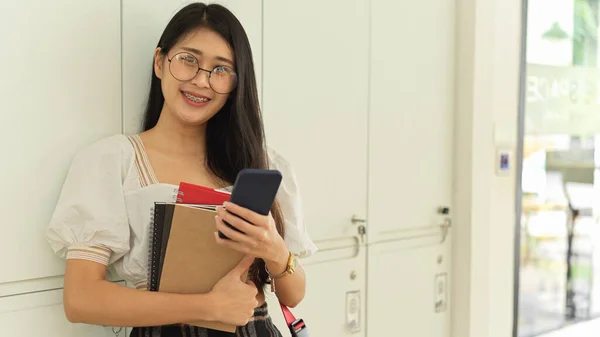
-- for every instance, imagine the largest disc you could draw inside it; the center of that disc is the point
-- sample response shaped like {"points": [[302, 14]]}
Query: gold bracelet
{"points": [[289, 269]]}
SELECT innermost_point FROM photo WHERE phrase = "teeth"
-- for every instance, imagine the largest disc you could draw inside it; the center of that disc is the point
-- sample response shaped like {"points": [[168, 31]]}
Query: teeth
{"points": [[194, 98]]}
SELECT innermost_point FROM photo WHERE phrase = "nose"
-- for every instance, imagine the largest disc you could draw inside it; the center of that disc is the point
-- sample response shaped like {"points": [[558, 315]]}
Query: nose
{"points": [[202, 79]]}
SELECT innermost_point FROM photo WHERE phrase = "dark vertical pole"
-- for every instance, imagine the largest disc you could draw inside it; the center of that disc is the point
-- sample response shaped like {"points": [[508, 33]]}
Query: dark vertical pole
{"points": [[519, 167], [584, 55]]}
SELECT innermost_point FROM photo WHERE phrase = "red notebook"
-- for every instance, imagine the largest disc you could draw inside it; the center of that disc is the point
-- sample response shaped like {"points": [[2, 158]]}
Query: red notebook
{"points": [[201, 195]]}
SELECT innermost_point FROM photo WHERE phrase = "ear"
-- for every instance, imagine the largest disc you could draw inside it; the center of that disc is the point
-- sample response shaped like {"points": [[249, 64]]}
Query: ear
{"points": [[158, 63]]}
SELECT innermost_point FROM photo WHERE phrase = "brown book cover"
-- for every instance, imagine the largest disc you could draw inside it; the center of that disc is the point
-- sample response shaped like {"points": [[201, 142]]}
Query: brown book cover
{"points": [[193, 261]]}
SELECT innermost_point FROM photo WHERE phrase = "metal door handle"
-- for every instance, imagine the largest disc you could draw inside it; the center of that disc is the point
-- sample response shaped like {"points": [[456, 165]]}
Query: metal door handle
{"points": [[445, 228], [362, 230], [356, 220]]}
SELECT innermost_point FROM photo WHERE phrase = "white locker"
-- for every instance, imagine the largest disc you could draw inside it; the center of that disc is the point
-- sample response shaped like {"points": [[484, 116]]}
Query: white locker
{"points": [[335, 301], [409, 289], [315, 104], [143, 24], [410, 167], [61, 90], [410, 115], [42, 314]]}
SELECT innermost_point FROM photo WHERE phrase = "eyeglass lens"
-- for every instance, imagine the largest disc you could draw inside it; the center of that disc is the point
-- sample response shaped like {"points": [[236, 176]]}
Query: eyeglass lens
{"points": [[184, 67]]}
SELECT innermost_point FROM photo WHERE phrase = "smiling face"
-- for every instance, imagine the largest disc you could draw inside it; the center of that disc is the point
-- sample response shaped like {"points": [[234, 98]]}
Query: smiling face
{"points": [[190, 97]]}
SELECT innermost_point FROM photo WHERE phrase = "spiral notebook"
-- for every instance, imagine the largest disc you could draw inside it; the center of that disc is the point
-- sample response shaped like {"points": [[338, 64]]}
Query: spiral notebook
{"points": [[184, 256]]}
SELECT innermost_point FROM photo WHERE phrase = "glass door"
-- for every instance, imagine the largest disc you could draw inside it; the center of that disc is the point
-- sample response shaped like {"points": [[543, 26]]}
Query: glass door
{"points": [[559, 241]]}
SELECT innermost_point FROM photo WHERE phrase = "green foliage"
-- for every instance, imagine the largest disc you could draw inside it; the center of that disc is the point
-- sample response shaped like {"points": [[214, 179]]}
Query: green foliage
{"points": [[585, 33]]}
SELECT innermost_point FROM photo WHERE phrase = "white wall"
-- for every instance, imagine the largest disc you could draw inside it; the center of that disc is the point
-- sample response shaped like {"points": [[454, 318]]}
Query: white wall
{"points": [[488, 65], [59, 90]]}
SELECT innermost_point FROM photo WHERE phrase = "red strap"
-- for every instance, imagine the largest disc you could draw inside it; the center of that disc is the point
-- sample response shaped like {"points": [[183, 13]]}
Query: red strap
{"points": [[289, 317]]}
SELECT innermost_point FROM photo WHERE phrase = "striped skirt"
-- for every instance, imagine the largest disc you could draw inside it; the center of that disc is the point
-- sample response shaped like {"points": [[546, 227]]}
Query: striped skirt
{"points": [[260, 325]]}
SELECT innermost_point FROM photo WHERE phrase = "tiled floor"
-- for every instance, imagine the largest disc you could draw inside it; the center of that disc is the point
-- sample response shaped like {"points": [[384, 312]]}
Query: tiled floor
{"points": [[583, 329]]}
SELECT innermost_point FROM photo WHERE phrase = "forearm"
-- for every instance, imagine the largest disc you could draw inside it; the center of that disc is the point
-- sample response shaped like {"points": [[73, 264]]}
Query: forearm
{"points": [[290, 289], [102, 302], [105, 303]]}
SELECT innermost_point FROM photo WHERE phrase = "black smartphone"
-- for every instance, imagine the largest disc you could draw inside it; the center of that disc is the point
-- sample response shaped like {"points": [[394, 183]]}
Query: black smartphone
{"points": [[255, 189]]}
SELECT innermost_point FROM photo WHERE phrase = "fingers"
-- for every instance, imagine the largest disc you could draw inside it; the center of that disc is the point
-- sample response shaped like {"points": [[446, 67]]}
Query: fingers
{"points": [[250, 216], [253, 289], [237, 222], [244, 265], [232, 244], [248, 238], [232, 233]]}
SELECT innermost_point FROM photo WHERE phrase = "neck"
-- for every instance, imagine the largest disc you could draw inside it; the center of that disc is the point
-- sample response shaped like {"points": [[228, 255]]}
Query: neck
{"points": [[176, 137]]}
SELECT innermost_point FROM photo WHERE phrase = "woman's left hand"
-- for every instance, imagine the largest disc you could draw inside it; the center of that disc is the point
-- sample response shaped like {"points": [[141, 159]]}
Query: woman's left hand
{"points": [[258, 237]]}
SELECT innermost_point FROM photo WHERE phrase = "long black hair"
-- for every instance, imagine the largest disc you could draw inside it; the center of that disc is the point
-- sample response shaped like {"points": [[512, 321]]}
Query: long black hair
{"points": [[235, 135]]}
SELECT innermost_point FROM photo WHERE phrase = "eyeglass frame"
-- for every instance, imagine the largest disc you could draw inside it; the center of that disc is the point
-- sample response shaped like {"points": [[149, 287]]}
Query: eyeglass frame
{"points": [[210, 72]]}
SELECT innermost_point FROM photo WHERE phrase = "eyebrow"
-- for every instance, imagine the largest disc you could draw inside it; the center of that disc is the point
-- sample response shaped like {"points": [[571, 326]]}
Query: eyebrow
{"points": [[218, 58]]}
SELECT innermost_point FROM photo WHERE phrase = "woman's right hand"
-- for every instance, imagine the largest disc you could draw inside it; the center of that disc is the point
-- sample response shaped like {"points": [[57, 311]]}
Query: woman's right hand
{"points": [[235, 300]]}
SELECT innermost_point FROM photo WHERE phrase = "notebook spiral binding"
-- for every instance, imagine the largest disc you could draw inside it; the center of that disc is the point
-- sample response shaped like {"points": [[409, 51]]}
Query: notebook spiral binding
{"points": [[149, 331], [152, 253], [154, 235]]}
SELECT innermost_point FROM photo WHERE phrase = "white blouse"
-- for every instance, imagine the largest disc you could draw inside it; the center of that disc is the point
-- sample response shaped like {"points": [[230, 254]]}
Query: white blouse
{"points": [[104, 210]]}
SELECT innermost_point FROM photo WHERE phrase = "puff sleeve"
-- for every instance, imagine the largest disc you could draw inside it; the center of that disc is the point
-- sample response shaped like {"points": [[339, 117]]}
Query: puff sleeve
{"points": [[90, 219], [289, 199]]}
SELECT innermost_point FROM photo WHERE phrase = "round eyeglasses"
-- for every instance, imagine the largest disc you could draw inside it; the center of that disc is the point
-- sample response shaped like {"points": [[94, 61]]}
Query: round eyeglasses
{"points": [[185, 66]]}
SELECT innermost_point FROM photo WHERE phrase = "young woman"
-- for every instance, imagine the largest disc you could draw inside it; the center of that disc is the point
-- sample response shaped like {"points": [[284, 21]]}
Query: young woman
{"points": [[202, 125]]}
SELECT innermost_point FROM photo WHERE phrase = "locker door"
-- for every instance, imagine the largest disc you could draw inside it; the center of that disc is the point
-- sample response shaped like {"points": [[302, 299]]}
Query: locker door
{"points": [[408, 293], [42, 314], [410, 166], [336, 295], [143, 23], [315, 104], [410, 144], [60, 90], [315, 101]]}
